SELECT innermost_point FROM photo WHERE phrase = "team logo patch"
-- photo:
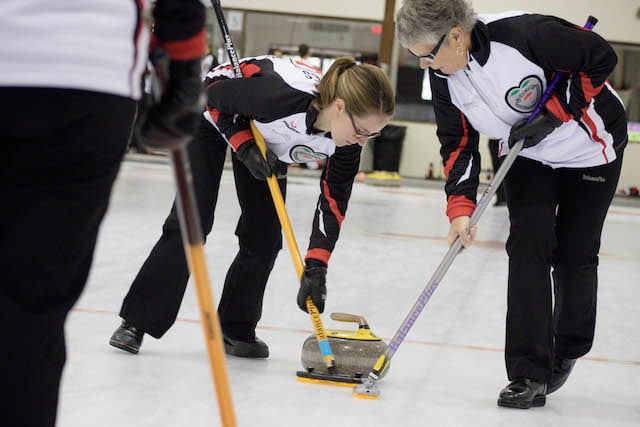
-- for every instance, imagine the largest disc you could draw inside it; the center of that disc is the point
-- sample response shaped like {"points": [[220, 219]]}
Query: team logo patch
{"points": [[526, 95], [291, 126], [304, 154]]}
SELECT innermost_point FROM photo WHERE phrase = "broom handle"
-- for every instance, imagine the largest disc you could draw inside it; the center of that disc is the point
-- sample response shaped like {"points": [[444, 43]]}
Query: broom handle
{"points": [[191, 230]]}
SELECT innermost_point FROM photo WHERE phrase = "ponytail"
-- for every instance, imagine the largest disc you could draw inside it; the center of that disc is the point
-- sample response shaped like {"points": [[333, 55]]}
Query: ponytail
{"points": [[364, 88]]}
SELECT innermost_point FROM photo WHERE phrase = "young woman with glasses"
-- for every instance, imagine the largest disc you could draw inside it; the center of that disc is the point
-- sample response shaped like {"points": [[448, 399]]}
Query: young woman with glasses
{"points": [[302, 118]]}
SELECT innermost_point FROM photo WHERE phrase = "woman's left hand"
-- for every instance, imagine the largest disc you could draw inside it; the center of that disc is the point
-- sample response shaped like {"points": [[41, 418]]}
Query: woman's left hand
{"points": [[459, 227]]}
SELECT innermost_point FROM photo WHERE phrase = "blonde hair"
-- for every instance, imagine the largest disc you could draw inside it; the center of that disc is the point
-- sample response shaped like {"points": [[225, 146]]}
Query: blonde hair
{"points": [[364, 88]]}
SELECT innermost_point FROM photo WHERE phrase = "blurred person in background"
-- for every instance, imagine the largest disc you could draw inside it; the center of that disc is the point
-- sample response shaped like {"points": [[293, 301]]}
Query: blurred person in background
{"points": [[66, 113]]}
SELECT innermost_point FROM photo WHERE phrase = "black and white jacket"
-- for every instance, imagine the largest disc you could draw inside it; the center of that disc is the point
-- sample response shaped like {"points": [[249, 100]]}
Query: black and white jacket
{"points": [[277, 95], [94, 45], [513, 57]]}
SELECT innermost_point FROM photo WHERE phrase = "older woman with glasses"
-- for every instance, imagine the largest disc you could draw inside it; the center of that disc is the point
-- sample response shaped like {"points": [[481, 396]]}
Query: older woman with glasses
{"points": [[487, 75], [302, 118]]}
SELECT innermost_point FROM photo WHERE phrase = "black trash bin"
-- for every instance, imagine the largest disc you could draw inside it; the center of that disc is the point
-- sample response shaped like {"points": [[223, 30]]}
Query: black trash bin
{"points": [[387, 148]]}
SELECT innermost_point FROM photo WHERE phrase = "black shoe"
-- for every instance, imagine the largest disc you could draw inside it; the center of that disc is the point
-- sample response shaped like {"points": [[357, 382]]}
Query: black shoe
{"points": [[127, 337], [255, 349], [523, 393], [561, 369]]}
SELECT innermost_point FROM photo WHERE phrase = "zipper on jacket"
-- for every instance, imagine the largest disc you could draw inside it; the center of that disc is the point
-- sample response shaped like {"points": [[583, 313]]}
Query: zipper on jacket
{"points": [[487, 99]]}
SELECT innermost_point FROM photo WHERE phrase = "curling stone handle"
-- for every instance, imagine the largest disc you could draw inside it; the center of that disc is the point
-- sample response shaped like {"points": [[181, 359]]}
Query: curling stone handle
{"points": [[345, 317]]}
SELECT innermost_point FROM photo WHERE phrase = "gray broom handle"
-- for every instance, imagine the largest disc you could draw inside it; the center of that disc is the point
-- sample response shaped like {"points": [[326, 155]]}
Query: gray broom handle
{"points": [[452, 253]]}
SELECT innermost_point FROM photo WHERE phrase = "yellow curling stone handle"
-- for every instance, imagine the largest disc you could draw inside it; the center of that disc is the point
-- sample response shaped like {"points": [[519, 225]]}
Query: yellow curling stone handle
{"points": [[363, 333]]}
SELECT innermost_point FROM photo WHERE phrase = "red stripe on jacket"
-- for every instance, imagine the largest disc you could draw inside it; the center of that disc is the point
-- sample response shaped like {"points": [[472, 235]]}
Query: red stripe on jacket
{"points": [[588, 89], [594, 132], [463, 143], [187, 49], [554, 106], [213, 113], [459, 206], [247, 70], [319, 254], [308, 66], [333, 205], [240, 138]]}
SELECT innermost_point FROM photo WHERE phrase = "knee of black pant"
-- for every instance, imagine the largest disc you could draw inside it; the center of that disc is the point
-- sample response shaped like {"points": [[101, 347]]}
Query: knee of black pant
{"points": [[569, 262], [575, 290], [172, 223], [266, 250], [532, 233], [569, 255], [586, 273], [264, 242]]}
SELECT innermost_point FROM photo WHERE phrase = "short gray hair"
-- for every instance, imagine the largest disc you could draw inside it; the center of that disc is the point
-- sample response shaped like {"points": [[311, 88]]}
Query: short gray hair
{"points": [[425, 21]]}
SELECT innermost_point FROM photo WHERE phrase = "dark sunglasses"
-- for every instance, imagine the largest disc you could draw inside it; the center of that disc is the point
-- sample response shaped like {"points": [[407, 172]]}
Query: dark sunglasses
{"points": [[361, 134], [431, 55]]}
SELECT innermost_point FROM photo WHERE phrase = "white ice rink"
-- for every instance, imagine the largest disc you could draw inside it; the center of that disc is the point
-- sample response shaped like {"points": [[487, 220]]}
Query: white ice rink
{"points": [[448, 372]]}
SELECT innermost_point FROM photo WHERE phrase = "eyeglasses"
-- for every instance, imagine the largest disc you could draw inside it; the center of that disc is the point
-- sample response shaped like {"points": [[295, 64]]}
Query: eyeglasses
{"points": [[431, 55], [361, 134]]}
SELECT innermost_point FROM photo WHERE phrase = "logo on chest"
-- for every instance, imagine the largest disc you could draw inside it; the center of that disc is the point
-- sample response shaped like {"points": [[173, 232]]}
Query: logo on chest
{"points": [[304, 154], [524, 97], [291, 126]]}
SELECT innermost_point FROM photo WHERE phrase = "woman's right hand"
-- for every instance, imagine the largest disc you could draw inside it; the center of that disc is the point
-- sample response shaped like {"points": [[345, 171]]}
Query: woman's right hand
{"points": [[459, 227], [261, 168]]}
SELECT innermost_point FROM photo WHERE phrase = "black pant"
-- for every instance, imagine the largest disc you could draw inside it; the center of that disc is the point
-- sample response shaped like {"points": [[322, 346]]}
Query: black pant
{"points": [[556, 221], [155, 296], [61, 151]]}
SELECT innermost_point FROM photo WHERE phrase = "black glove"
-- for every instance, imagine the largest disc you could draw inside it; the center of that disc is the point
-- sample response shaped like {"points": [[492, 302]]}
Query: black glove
{"points": [[532, 133], [171, 122], [261, 169], [313, 284]]}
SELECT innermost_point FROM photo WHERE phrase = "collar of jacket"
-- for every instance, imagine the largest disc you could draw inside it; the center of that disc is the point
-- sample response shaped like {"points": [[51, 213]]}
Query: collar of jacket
{"points": [[480, 46], [480, 43], [312, 116]]}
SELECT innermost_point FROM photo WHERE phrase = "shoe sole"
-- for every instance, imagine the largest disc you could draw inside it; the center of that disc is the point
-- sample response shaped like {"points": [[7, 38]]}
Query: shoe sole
{"points": [[249, 355], [536, 402], [244, 351], [123, 346]]}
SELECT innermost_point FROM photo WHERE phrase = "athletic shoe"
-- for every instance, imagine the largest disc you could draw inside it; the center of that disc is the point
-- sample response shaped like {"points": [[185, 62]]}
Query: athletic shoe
{"points": [[523, 393], [127, 337], [255, 349]]}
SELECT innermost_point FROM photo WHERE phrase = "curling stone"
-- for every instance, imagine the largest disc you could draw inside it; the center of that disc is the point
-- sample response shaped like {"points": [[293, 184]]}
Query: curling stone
{"points": [[355, 352]]}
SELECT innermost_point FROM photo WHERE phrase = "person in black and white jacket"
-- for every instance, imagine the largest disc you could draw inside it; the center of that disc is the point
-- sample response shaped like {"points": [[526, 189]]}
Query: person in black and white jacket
{"points": [[302, 118], [487, 74], [70, 77]]}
